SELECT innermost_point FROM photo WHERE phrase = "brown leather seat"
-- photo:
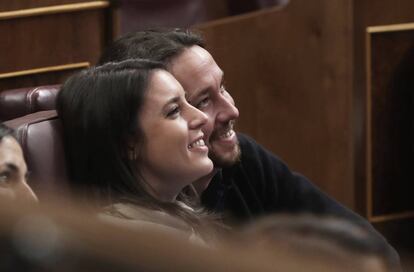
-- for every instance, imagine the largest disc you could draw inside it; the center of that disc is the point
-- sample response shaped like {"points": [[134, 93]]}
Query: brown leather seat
{"points": [[40, 135], [19, 102]]}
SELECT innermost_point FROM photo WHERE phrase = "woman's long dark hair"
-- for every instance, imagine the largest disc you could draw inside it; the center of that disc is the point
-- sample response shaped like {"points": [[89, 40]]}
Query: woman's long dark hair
{"points": [[99, 109]]}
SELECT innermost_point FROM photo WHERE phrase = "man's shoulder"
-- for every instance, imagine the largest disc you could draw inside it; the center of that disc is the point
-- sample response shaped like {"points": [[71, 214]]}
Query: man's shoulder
{"points": [[252, 153], [245, 140], [249, 147], [255, 163]]}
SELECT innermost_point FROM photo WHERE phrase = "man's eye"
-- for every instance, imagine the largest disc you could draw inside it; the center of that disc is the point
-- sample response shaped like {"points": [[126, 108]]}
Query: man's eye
{"points": [[173, 112], [203, 103]]}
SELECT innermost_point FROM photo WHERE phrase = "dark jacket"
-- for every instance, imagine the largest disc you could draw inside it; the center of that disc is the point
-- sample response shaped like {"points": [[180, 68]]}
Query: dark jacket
{"points": [[260, 184]]}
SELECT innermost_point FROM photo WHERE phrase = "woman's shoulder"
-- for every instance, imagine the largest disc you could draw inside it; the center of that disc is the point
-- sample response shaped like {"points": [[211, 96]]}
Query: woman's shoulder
{"points": [[135, 216]]}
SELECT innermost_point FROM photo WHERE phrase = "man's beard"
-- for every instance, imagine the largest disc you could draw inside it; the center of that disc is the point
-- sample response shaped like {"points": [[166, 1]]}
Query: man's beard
{"points": [[223, 154], [225, 160]]}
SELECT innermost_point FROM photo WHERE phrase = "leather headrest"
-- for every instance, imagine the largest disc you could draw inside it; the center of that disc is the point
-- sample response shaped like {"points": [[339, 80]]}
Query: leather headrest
{"points": [[40, 135], [19, 102]]}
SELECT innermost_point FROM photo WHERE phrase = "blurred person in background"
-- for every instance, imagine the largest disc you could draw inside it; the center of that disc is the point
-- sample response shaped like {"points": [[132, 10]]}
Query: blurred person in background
{"points": [[13, 169]]}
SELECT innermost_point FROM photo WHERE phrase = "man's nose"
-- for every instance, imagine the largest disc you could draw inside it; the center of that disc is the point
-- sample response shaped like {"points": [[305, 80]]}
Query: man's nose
{"points": [[228, 111]]}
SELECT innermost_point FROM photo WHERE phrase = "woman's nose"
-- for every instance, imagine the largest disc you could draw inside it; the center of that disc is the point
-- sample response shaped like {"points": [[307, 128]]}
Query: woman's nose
{"points": [[198, 118]]}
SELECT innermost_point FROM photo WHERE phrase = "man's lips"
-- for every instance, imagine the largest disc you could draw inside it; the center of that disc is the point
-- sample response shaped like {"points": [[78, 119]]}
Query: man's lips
{"points": [[224, 133]]}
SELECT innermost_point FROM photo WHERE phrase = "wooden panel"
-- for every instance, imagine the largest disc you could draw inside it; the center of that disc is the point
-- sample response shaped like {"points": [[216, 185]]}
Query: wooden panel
{"points": [[60, 38], [390, 121], [369, 13], [10, 5], [298, 76], [48, 77], [290, 72], [51, 40], [400, 235]]}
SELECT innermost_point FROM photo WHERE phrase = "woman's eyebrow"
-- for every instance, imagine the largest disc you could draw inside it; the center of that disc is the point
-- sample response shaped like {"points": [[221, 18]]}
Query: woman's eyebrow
{"points": [[174, 99]]}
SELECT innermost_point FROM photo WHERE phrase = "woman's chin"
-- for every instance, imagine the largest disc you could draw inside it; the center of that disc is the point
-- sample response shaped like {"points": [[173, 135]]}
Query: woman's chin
{"points": [[204, 168]]}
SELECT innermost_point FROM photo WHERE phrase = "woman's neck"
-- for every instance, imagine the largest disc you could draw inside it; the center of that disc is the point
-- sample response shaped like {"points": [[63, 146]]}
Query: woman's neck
{"points": [[165, 189]]}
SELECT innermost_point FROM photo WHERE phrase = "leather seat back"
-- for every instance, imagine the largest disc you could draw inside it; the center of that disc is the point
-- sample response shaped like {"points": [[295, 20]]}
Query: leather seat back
{"points": [[40, 135], [19, 102]]}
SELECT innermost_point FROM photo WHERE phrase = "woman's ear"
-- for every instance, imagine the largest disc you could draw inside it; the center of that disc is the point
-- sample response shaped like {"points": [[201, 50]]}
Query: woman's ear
{"points": [[132, 148], [132, 154]]}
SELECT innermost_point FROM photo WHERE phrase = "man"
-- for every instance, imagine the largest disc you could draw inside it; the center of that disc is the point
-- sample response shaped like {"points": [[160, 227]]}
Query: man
{"points": [[248, 181], [13, 169]]}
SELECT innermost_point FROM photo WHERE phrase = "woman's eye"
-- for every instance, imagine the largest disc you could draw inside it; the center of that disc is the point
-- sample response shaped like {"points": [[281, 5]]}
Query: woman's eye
{"points": [[173, 112]]}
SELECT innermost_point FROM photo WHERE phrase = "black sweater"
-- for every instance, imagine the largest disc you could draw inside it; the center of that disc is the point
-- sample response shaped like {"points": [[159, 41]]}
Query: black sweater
{"points": [[262, 184]]}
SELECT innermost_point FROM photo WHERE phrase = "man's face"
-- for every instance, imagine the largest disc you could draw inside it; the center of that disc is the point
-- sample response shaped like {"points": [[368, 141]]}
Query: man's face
{"points": [[13, 172], [202, 81]]}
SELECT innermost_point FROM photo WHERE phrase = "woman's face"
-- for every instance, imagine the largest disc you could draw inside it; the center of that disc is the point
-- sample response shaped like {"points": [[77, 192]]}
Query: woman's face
{"points": [[13, 172], [174, 153]]}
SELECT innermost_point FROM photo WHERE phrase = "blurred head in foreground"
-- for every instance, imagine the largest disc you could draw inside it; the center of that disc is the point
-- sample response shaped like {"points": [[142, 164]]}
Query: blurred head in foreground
{"points": [[332, 242]]}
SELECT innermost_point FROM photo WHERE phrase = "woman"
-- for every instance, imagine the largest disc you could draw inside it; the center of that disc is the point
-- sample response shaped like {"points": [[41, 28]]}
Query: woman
{"points": [[133, 143], [13, 169]]}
